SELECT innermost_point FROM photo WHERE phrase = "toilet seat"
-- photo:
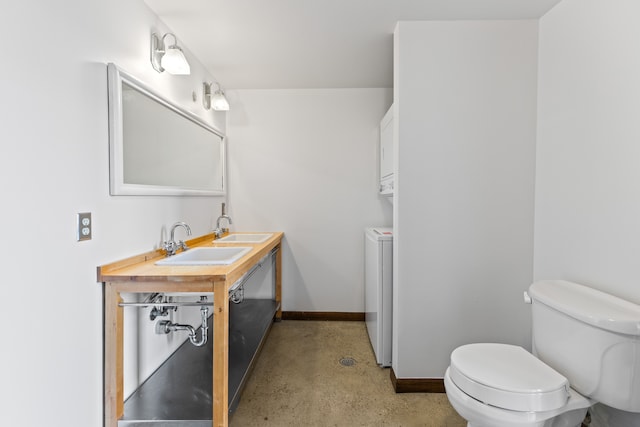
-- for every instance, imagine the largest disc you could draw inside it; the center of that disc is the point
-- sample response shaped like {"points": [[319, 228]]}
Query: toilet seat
{"points": [[480, 414], [508, 377]]}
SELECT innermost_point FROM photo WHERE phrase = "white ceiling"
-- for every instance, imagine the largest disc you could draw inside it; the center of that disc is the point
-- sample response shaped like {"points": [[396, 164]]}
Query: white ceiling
{"points": [[277, 44]]}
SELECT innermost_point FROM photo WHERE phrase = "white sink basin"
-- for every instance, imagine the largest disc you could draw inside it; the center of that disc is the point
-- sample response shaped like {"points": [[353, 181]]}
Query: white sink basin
{"points": [[206, 256], [244, 238]]}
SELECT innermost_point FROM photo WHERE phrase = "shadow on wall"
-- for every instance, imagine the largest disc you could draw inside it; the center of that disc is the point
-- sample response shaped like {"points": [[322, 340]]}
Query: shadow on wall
{"points": [[294, 287]]}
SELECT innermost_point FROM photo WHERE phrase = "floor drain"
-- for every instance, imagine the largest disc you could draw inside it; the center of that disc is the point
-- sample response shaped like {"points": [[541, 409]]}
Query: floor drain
{"points": [[347, 361]]}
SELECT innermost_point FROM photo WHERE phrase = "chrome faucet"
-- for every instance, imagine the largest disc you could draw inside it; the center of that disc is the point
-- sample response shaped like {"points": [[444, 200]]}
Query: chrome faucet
{"points": [[172, 246], [220, 231]]}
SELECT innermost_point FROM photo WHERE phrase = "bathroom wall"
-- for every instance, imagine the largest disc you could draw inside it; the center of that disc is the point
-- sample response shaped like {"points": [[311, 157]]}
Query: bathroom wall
{"points": [[54, 164], [587, 226], [465, 111], [305, 162]]}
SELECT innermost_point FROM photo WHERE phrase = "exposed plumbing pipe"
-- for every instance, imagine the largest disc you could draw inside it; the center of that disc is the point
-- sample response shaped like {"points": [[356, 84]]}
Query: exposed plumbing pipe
{"points": [[165, 326]]}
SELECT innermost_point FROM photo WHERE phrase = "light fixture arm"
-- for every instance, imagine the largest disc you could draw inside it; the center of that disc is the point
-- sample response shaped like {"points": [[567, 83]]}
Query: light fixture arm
{"points": [[206, 95], [175, 39], [157, 50]]}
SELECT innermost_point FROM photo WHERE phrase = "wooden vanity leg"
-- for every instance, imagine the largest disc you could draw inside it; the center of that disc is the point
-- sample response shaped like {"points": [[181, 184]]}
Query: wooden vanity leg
{"points": [[279, 283], [113, 356], [220, 355]]}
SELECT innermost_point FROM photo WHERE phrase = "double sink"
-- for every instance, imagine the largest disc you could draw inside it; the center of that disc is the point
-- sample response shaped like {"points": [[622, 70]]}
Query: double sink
{"points": [[217, 255]]}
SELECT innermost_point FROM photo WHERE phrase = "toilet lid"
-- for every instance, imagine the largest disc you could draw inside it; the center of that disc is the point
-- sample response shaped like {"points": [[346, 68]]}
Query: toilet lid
{"points": [[508, 377]]}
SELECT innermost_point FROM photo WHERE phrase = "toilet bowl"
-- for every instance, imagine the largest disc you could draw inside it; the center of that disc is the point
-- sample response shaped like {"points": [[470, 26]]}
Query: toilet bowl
{"points": [[499, 385], [585, 351]]}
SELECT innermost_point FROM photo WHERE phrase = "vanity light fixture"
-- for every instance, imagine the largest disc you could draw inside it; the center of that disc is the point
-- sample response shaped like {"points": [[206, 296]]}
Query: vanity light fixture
{"points": [[216, 100], [168, 57]]}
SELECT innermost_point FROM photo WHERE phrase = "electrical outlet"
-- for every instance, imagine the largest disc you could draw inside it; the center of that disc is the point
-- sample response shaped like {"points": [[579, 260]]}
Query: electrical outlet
{"points": [[84, 226]]}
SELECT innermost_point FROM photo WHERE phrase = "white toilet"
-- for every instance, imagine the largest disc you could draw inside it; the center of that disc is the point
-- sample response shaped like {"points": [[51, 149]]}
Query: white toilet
{"points": [[587, 350]]}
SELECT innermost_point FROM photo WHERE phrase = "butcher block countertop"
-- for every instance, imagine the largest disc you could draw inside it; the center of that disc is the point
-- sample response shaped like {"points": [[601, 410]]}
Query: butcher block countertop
{"points": [[142, 268]]}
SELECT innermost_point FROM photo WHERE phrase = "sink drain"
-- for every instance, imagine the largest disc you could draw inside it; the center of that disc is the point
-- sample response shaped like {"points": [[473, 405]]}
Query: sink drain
{"points": [[347, 361]]}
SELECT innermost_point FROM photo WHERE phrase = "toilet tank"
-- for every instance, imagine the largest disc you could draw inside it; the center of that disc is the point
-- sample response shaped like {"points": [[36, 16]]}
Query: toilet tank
{"points": [[590, 337]]}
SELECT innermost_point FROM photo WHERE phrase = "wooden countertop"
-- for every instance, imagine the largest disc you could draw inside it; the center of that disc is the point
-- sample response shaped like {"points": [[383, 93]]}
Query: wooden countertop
{"points": [[142, 268]]}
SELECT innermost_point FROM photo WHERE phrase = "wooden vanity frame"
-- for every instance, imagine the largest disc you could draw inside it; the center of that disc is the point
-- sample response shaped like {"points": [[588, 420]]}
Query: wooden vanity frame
{"points": [[139, 274]]}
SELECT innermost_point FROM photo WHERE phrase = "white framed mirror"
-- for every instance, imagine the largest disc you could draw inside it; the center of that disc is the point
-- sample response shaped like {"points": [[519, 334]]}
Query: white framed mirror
{"points": [[157, 147]]}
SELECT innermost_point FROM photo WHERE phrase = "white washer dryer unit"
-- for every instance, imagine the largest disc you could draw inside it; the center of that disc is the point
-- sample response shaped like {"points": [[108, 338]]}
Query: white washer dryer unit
{"points": [[378, 291]]}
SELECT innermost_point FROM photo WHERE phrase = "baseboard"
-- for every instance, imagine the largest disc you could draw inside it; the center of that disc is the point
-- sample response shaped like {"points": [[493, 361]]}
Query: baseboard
{"points": [[322, 315], [417, 385]]}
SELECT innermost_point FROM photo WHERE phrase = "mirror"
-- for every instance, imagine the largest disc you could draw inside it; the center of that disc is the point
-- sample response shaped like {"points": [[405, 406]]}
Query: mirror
{"points": [[157, 147]]}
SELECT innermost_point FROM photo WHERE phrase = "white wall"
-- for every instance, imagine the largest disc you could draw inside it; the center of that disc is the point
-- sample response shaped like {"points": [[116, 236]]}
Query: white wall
{"points": [[54, 164], [587, 226], [304, 162], [465, 100]]}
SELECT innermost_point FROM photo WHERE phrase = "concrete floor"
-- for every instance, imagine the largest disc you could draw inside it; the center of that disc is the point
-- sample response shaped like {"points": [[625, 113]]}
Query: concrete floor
{"points": [[298, 381]]}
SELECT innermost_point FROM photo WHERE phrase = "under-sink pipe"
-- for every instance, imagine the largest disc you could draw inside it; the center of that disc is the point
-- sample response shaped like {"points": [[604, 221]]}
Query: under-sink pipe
{"points": [[165, 326]]}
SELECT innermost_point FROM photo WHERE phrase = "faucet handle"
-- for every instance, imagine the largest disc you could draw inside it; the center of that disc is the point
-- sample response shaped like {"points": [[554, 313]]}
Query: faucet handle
{"points": [[169, 246], [183, 245]]}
